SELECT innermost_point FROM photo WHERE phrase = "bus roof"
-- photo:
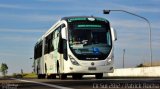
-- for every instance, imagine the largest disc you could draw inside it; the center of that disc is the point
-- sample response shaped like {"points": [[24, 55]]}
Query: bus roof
{"points": [[66, 19], [74, 17]]}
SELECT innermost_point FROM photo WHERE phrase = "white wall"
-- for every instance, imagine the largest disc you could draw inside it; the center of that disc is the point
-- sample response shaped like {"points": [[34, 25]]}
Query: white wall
{"points": [[136, 72]]}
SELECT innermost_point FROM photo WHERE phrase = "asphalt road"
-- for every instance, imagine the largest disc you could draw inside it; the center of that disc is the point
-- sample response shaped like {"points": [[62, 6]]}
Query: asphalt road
{"points": [[86, 83]]}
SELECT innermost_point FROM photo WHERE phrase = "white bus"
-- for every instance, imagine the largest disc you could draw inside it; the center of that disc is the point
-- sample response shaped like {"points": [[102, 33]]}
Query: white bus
{"points": [[77, 46]]}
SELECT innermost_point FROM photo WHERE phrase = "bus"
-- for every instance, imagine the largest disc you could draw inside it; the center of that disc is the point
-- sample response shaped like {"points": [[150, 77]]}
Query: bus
{"points": [[76, 46]]}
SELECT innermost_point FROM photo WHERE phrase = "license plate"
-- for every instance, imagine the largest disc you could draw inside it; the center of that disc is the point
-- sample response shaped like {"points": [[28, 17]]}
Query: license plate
{"points": [[91, 68]]}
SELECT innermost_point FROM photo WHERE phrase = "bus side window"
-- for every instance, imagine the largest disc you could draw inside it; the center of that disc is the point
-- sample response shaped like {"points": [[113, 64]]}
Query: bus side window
{"points": [[51, 45], [53, 39], [48, 43], [46, 46], [38, 50]]}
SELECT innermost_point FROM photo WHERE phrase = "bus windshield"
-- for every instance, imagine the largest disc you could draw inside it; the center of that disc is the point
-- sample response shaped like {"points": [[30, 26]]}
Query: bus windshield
{"points": [[90, 40]]}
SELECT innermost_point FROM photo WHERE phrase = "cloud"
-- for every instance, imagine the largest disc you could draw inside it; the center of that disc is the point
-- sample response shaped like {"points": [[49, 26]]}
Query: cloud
{"points": [[55, 0], [30, 17], [9, 6], [140, 9], [18, 38], [125, 23], [133, 24], [37, 17], [22, 30], [10, 54], [15, 6], [77, 7], [19, 35]]}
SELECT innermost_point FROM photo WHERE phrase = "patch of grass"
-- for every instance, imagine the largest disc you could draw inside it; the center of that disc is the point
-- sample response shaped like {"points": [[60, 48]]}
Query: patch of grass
{"points": [[25, 75], [29, 75]]}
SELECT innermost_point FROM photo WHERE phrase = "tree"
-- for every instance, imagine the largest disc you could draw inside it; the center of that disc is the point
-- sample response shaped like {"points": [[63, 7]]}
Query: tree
{"points": [[4, 69], [140, 65]]}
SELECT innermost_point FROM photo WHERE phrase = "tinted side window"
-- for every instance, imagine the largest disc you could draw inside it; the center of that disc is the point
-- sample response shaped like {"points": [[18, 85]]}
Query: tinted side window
{"points": [[48, 43], [38, 50]]}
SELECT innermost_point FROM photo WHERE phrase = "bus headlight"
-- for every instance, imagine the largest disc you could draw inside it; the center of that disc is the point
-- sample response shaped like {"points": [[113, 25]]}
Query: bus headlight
{"points": [[109, 61], [74, 62]]}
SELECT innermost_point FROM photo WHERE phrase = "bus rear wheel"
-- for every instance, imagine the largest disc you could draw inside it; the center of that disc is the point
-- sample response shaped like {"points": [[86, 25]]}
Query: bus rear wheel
{"points": [[62, 76], [41, 76], [53, 76], [99, 76]]}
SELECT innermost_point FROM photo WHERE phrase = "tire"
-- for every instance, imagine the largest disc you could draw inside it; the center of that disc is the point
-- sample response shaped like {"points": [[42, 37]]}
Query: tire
{"points": [[99, 76], [39, 76], [77, 76], [53, 76], [74, 76], [43, 76], [61, 76], [48, 76]]}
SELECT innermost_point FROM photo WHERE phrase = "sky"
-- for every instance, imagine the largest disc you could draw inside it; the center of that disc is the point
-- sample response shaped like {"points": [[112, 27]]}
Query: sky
{"points": [[23, 22]]}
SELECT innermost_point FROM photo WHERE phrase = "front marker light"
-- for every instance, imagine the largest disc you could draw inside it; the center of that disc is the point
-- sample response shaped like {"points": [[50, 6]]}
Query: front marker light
{"points": [[74, 62], [109, 61]]}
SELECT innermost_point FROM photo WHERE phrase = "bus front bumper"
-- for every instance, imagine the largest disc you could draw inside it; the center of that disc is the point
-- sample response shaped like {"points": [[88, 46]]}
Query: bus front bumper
{"points": [[90, 69]]}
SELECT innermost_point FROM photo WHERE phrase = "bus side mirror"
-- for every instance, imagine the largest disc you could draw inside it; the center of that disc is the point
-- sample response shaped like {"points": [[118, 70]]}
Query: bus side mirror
{"points": [[63, 33], [114, 34]]}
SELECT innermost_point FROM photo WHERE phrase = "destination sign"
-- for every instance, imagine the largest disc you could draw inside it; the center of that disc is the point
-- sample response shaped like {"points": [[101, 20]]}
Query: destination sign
{"points": [[88, 19], [88, 26]]}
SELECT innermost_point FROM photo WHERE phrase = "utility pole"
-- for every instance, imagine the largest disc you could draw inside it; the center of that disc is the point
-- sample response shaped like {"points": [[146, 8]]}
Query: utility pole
{"points": [[150, 30], [123, 56]]}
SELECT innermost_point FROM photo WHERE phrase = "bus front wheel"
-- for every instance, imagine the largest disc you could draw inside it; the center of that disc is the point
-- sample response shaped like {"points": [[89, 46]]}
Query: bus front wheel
{"points": [[77, 76], [61, 76]]}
